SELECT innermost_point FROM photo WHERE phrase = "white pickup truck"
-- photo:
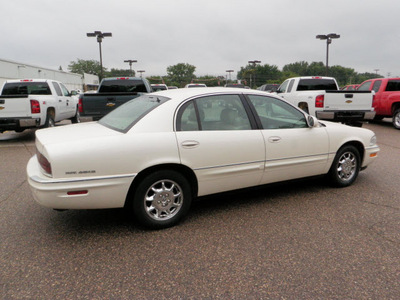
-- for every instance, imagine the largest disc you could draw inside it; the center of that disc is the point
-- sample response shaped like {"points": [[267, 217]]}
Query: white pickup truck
{"points": [[321, 97], [35, 103]]}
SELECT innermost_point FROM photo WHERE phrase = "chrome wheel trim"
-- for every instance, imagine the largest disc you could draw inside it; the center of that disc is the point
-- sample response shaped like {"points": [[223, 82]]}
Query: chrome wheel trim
{"points": [[347, 166], [51, 122], [163, 200], [397, 120], [78, 117]]}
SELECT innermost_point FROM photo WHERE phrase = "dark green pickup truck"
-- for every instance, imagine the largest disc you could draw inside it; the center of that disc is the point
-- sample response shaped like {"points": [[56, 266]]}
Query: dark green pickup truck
{"points": [[112, 92]]}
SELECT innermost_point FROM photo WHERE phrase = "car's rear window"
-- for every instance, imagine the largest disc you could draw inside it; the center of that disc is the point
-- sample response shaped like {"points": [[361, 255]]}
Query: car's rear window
{"points": [[125, 116], [393, 85], [26, 88], [123, 86], [317, 85]]}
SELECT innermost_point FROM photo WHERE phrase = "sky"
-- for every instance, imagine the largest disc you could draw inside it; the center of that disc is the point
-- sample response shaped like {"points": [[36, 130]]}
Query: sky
{"points": [[212, 35]]}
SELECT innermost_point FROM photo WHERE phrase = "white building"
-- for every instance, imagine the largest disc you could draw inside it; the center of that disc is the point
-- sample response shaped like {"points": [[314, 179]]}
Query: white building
{"points": [[15, 70]]}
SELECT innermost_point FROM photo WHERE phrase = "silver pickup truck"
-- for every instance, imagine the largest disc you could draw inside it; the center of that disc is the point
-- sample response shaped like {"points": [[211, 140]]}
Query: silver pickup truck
{"points": [[321, 97]]}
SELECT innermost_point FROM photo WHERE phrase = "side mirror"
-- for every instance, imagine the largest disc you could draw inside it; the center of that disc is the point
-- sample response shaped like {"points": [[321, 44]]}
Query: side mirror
{"points": [[310, 121]]}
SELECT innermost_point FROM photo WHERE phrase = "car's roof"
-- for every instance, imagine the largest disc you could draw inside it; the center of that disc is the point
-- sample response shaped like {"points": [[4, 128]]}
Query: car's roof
{"points": [[182, 94]]}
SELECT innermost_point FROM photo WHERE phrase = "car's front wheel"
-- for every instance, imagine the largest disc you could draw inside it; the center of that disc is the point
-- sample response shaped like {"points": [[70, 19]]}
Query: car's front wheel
{"points": [[161, 199], [345, 166]]}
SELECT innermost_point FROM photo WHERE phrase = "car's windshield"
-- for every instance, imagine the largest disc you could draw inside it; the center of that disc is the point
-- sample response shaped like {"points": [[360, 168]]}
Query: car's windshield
{"points": [[125, 116]]}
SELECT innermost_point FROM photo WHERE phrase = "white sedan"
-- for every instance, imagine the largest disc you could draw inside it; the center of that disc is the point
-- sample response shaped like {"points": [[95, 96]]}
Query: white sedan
{"points": [[157, 152]]}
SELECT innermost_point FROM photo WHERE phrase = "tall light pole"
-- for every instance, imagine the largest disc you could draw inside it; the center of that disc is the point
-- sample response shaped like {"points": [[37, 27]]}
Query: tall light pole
{"points": [[141, 71], [130, 61], [229, 72], [328, 38], [100, 35], [254, 63]]}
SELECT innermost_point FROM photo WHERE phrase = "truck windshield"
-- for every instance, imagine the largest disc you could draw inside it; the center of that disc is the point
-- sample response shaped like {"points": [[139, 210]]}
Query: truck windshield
{"points": [[317, 85], [125, 116], [26, 88], [123, 86]]}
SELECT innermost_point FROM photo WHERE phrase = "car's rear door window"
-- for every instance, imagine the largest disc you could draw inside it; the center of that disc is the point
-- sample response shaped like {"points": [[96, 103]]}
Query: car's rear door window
{"points": [[219, 112]]}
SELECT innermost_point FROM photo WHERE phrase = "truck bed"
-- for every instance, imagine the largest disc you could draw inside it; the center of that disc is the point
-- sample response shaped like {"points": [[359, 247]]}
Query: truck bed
{"points": [[95, 105]]}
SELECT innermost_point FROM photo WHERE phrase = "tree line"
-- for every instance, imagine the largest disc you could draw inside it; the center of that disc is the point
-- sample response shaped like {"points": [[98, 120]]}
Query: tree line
{"points": [[253, 75]]}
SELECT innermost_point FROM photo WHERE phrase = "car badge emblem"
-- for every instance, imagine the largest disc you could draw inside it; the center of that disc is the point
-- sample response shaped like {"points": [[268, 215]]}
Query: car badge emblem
{"points": [[110, 104], [2, 107], [349, 101]]}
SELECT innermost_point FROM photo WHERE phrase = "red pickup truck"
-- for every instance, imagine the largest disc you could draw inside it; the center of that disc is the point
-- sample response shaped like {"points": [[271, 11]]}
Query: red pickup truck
{"points": [[387, 98]]}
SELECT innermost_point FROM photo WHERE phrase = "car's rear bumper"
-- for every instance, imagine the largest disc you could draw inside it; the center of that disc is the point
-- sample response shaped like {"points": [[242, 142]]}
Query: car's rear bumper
{"points": [[18, 123], [77, 193], [345, 116]]}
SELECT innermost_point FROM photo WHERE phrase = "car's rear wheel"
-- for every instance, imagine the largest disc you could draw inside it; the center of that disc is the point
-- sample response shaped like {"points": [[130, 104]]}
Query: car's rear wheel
{"points": [[345, 166], [396, 119], [49, 121], [161, 199], [77, 117]]}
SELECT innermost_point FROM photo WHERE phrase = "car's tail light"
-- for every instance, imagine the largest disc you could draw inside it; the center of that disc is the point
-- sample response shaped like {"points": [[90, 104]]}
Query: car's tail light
{"points": [[44, 163], [76, 193], [80, 106], [319, 101], [35, 107]]}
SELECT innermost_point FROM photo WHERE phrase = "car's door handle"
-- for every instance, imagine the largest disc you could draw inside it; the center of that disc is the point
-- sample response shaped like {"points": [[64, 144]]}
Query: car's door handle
{"points": [[59, 100], [274, 139], [190, 144]]}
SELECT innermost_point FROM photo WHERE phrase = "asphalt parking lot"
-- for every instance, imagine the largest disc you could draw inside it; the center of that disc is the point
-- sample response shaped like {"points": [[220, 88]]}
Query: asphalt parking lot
{"points": [[296, 240]]}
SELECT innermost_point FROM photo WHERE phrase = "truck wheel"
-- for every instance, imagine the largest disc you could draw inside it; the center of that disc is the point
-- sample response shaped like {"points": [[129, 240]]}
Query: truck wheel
{"points": [[161, 199], [396, 119], [77, 117], [49, 121], [345, 167], [378, 118]]}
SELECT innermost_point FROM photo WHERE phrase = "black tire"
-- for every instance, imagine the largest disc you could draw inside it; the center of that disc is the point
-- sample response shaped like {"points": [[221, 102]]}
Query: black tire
{"points": [[49, 121], [378, 118], [345, 167], [77, 117], [396, 119], [161, 199]]}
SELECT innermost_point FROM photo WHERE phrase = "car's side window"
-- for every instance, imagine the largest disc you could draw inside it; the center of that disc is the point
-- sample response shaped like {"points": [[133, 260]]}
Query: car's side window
{"points": [[290, 86], [282, 88], [187, 120], [222, 112], [64, 90], [57, 88], [377, 85], [365, 86], [276, 114]]}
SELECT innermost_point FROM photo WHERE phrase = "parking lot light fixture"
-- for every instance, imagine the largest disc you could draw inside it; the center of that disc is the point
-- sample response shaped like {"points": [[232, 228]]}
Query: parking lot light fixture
{"points": [[100, 35], [328, 38], [141, 71], [229, 72], [130, 61]]}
